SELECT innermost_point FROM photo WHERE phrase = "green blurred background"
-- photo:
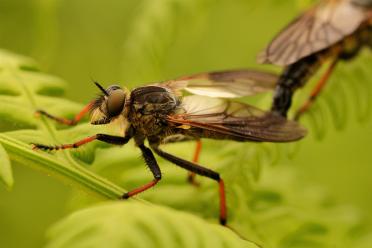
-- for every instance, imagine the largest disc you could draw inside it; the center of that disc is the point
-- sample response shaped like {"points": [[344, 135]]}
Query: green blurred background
{"points": [[134, 42]]}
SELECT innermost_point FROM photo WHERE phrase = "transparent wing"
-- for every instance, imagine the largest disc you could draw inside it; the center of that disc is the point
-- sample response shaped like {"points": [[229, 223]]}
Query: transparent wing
{"points": [[235, 119], [225, 84], [320, 27]]}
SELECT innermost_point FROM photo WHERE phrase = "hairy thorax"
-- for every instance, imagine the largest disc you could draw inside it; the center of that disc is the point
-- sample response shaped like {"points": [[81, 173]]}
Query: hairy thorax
{"points": [[150, 105]]}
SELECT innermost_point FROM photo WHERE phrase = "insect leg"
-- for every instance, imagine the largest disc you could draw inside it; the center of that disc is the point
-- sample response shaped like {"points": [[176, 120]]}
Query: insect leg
{"points": [[316, 91], [116, 140], [200, 171], [191, 175], [154, 167], [180, 138], [69, 122]]}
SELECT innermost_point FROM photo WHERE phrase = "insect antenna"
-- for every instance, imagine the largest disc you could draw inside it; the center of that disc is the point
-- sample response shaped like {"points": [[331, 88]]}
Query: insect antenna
{"points": [[101, 88]]}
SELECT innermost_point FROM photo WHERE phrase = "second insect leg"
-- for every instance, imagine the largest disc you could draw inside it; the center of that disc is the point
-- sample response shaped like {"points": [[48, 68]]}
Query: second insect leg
{"points": [[200, 171], [154, 167]]}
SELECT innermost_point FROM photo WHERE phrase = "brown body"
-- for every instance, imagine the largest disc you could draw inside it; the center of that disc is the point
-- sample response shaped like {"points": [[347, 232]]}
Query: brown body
{"points": [[157, 112]]}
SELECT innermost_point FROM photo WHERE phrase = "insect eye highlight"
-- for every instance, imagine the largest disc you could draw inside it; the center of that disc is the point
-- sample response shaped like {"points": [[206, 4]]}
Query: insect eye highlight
{"points": [[115, 102]]}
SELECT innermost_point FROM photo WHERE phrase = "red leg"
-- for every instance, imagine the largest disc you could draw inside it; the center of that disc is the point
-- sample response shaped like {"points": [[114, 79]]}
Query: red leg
{"points": [[154, 168], [197, 152], [191, 175], [200, 171], [223, 209], [65, 121], [316, 91], [64, 146], [141, 189]]}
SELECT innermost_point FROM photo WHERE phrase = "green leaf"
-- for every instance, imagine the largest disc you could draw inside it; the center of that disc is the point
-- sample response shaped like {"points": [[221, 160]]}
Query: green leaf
{"points": [[23, 90], [6, 175], [139, 225]]}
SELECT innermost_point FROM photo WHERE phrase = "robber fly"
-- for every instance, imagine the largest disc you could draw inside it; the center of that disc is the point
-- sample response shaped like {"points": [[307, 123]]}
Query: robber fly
{"points": [[332, 30], [160, 114]]}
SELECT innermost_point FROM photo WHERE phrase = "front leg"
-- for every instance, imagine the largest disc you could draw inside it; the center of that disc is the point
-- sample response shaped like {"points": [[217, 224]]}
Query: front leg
{"points": [[65, 121], [200, 171], [115, 140], [154, 168]]}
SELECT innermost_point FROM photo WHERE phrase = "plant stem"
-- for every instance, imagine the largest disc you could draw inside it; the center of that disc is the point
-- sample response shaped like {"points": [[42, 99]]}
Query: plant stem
{"points": [[74, 175]]}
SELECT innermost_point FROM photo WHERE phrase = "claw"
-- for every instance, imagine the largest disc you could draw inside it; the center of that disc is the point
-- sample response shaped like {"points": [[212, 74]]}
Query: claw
{"points": [[34, 147], [192, 181]]}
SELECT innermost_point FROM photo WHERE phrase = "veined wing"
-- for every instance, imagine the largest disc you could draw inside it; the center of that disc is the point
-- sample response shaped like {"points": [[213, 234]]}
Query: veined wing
{"points": [[225, 84], [236, 119], [320, 27]]}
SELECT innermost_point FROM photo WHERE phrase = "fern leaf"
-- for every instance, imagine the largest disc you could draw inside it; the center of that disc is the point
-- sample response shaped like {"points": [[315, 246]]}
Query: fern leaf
{"points": [[277, 211], [6, 175], [139, 225], [23, 90]]}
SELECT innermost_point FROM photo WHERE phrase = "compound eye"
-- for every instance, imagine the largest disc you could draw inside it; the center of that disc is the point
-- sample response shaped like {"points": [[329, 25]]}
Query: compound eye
{"points": [[115, 102]]}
